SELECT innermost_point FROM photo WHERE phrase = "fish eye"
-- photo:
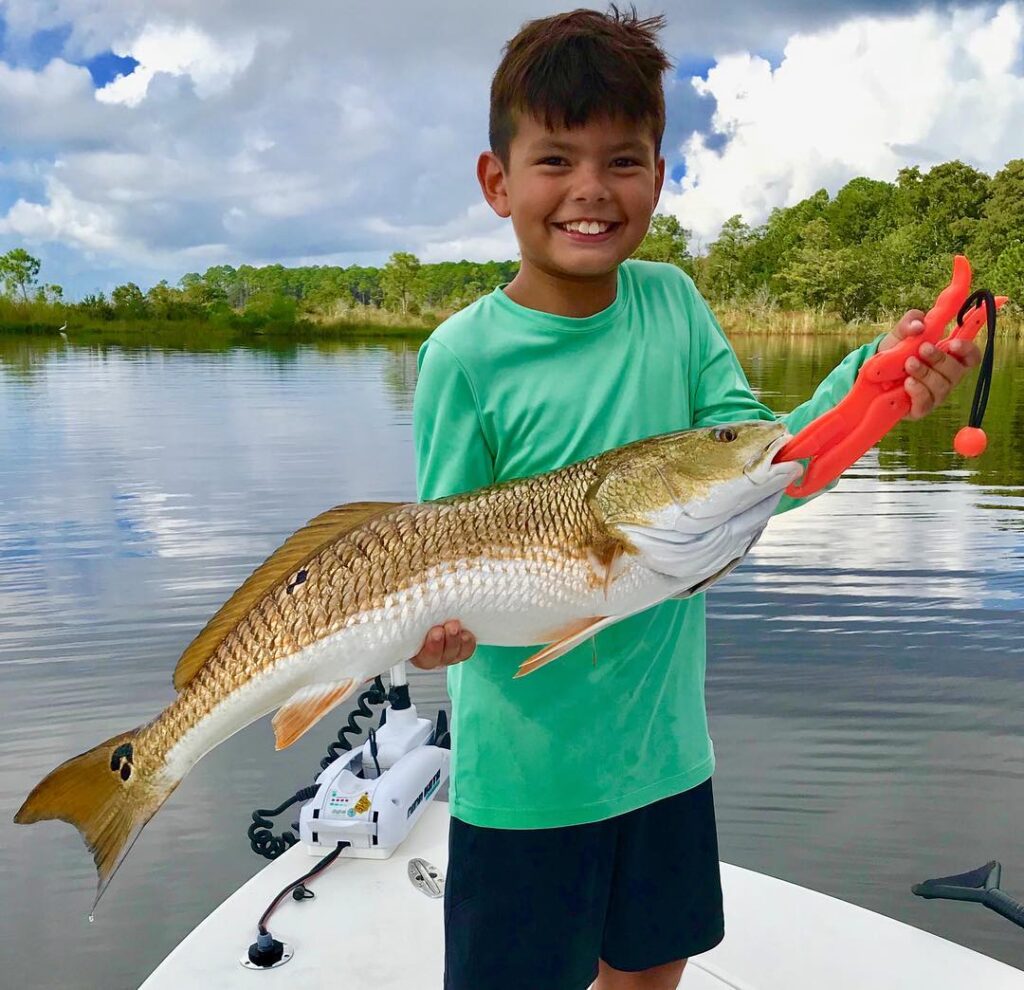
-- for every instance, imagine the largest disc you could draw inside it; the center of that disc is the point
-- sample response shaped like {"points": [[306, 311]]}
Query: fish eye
{"points": [[725, 434]]}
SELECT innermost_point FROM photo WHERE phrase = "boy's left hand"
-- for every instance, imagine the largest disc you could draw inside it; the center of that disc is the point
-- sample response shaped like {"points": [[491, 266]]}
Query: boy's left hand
{"points": [[934, 376]]}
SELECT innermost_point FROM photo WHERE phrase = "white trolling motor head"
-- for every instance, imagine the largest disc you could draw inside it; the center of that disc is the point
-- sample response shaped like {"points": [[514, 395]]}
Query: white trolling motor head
{"points": [[370, 811]]}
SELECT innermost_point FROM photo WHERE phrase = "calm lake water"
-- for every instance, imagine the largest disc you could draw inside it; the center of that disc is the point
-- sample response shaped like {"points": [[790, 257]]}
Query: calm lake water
{"points": [[865, 664]]}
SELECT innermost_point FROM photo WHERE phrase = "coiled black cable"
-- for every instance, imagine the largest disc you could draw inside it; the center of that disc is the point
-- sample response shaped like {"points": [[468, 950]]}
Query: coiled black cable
{"points": [[375, 695], [262, 840]]}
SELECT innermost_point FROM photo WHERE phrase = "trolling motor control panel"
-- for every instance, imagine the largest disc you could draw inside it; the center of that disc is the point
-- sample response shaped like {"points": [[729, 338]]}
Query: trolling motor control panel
{"points": [[372, 799]]}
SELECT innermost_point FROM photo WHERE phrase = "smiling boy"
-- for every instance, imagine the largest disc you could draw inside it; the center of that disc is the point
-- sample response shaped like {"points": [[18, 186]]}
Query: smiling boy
{"points": [[583, 839]]}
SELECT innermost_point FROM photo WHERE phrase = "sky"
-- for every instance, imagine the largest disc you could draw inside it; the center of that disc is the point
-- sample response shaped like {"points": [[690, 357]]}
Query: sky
{"points": [[140, 141]]}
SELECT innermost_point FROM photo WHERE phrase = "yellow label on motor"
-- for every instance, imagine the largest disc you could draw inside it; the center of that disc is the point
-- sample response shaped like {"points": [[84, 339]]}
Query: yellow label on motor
{"points": [[363, 804]]}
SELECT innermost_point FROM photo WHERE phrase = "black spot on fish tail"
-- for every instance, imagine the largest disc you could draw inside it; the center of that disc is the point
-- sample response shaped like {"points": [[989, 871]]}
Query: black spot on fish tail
{"points": [[121, 760], [125, 752]]}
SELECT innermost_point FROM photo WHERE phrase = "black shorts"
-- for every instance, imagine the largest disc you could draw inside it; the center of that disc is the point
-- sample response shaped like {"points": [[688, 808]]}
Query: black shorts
{"points": [[537, 908]]}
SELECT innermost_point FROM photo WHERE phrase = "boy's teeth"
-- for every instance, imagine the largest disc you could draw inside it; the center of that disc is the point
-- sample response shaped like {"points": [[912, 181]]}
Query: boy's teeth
{"points": [[587, 226]]}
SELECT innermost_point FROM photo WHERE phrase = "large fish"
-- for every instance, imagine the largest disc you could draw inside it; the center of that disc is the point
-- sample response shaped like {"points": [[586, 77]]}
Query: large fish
{"points": [[549, 559]]}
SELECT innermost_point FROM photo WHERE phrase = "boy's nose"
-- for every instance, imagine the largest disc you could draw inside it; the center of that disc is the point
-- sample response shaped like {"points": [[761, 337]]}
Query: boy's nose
{"points": [[588, 186]]}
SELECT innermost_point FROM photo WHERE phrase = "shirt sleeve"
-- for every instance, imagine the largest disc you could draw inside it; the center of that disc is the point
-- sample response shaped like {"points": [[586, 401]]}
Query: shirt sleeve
{"points": [[723, 394], [452, 452]]}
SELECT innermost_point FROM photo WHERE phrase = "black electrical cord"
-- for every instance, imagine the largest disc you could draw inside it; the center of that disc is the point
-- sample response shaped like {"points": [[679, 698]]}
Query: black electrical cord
{"points": [[262, 840], [267, 950], [375, 695], [261, 925]]}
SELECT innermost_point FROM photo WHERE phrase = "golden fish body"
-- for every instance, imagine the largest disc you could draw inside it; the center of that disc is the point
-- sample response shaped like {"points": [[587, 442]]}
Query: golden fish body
{"points": [[547, 559]]}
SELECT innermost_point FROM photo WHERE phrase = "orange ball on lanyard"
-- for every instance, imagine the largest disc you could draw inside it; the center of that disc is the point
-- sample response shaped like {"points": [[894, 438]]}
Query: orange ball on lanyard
{"points": [[970, 442]]}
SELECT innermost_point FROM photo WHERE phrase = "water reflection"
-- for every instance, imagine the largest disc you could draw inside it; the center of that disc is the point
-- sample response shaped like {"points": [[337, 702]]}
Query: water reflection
{"points": [[863, 677]]}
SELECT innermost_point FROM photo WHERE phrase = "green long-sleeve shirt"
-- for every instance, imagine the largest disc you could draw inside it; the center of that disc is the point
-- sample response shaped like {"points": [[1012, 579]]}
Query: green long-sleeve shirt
{"points": [[505, 392]]}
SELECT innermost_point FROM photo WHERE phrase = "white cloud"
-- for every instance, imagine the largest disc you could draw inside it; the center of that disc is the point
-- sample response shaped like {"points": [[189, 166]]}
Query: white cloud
{"points": [[864, 98], [53, 105], [64, 218], [255, 131], [178, 51]]}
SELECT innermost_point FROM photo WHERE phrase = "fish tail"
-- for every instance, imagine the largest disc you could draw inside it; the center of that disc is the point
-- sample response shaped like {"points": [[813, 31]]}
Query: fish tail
{"points": [[101, 793]]}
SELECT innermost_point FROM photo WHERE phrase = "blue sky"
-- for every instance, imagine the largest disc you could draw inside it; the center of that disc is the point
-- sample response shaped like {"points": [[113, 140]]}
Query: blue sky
{"points": [[142, 141]]}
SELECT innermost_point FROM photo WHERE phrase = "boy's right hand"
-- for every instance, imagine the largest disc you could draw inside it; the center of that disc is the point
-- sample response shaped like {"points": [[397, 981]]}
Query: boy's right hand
{"points": [[445, 645]]}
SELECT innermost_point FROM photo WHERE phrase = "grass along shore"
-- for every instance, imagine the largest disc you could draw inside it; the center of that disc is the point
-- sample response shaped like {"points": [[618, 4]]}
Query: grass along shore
{"points": [[371, 321]]}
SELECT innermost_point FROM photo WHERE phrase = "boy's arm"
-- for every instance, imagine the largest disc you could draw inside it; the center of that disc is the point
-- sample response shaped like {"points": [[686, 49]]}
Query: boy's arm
{"points": [[723, 394], [452, 456]]}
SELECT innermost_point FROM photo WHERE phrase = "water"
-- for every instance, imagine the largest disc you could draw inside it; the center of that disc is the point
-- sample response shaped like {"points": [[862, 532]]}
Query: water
{"points": [[863, 684]]}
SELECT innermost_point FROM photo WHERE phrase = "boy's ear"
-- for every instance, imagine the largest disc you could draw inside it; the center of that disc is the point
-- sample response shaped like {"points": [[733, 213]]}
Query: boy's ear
{"points": [[490, 173], [659, 179]]}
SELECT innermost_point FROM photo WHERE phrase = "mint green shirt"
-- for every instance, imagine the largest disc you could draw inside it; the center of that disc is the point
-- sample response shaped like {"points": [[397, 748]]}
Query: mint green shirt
{"points": [[505, 392]]}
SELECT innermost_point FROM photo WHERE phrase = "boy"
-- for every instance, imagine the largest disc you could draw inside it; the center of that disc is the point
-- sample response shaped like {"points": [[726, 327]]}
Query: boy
{"points": [[582, 839]]}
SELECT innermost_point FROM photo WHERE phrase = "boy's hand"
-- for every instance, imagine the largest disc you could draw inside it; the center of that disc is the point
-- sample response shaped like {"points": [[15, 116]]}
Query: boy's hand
{"points": [[935, 375], [444, 646]]}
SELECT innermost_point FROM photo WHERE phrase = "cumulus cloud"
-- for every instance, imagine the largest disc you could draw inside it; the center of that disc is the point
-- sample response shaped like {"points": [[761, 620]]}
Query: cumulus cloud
{"points": [[866, 97], [178, 51], [252, 131]]}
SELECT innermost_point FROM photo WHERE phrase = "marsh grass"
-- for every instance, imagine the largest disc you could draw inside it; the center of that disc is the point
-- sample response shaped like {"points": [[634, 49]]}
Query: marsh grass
{"points": [[201, 333], [758, 315]]}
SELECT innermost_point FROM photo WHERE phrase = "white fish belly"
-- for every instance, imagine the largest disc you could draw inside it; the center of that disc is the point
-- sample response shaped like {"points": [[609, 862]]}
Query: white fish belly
{"points": [[502, 602]]}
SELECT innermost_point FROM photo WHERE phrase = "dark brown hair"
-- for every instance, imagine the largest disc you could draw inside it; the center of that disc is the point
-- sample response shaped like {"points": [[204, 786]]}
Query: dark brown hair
{"points": [[571, 68]]}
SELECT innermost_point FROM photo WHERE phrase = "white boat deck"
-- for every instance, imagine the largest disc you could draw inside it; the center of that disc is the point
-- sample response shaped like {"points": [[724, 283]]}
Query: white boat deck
{"points": [[369, 927]]}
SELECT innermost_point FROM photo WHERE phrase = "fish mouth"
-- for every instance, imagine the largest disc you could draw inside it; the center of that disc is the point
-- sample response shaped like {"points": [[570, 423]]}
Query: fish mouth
{"points": [[761, 471], [761, 480]]}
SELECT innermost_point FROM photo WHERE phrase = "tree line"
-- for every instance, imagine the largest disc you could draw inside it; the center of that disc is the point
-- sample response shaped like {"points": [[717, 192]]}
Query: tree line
{"points": [[874, 249]]}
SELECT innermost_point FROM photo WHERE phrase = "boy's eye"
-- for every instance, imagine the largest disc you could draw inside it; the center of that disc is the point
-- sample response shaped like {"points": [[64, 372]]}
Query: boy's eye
{"points": [[552, 160], [626, 163]]}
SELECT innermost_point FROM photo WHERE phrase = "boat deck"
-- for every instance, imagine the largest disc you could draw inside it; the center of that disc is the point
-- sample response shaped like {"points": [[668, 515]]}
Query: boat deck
{"points": [[369, 927]]}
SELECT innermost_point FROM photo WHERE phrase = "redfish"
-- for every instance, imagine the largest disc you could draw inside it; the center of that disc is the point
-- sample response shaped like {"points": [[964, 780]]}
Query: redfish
{"points": [[550, 559]]}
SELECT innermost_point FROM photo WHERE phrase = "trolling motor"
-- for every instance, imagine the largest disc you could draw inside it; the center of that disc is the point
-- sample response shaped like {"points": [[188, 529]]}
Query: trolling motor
{"points": [[980, 885], [372, 799], [363, 803]]}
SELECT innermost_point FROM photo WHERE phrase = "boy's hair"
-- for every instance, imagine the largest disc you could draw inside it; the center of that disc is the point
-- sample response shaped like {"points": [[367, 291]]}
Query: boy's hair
{"points": [[572, 68]]}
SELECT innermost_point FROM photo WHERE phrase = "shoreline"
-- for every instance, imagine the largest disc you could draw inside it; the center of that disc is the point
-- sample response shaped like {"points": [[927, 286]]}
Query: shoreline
{"points": [[735, 321]]}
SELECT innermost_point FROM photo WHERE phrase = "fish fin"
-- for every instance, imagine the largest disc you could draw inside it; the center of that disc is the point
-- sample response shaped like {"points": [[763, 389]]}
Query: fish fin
{"points": [[306, 707], [297, 549], [100, 794], [572, 635]]}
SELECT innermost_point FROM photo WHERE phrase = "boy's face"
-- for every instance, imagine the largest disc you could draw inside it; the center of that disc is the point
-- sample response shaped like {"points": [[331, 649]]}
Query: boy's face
{"points": [[604, 171]]}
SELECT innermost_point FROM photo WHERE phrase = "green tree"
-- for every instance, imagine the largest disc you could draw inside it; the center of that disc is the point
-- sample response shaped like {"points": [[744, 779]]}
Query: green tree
{"points": [[947, 203], [51, 294], [771, 246], [128, 301], [721, 276], [398, 280], [665, 240], [1003, 223], [19, 271], [197, 291], [1008, 273], [95, 304], [861, 210], [810, 277], [165, 302]]}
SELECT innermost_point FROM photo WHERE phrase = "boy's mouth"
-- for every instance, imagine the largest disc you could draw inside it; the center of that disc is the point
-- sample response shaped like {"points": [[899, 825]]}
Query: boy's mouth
{"points": [[589, 231]]}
